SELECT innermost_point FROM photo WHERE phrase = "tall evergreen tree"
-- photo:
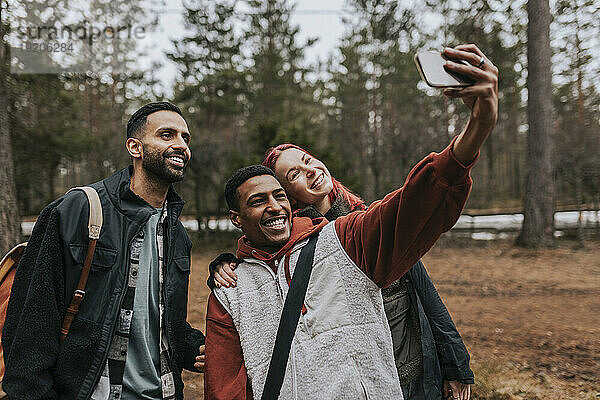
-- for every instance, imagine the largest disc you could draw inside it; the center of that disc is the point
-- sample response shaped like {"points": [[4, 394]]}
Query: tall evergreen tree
{"points": [[350, 111], [47, 130], [67, 128], [10, 224], [280, 96], [538, 222], [376, 95], [576, 169], [213, 90], [484, 23]]}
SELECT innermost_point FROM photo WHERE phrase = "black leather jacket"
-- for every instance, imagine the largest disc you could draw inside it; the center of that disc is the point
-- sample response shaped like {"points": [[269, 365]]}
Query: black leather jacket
{"points": [[37, 367]]}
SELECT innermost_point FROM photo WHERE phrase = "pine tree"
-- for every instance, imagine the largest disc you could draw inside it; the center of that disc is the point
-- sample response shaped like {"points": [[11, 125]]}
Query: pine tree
{"points": [[538, 229], [213, 91], [485, 24], [576, 169], [280, 97], [10, 223]]}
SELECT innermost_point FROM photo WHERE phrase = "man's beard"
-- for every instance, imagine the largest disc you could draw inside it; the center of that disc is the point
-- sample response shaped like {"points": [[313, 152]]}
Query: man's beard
{"points": [[156, 163]]}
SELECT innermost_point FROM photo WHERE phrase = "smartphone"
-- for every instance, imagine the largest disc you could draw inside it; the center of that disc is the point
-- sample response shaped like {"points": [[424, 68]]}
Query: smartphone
{"points": [[431, 68]]}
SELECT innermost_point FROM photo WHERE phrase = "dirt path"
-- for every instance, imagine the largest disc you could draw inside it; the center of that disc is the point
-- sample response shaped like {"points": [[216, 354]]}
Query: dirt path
{"points": [[531, 320]]}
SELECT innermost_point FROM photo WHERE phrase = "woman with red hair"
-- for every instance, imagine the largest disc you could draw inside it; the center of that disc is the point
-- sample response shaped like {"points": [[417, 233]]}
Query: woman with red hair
{"points": [[431, 359], [303, 197]]}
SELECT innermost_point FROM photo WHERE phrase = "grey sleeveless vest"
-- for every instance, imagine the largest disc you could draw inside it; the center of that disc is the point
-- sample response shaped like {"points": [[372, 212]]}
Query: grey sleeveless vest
{"points": [[342, 348]]}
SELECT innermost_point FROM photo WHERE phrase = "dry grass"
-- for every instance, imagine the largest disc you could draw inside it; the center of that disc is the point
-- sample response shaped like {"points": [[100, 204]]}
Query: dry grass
{"points": [[531, 319]]}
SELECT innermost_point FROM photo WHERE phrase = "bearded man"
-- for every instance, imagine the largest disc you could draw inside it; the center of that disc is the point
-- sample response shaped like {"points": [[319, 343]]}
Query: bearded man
{"points": [[130, 339]]}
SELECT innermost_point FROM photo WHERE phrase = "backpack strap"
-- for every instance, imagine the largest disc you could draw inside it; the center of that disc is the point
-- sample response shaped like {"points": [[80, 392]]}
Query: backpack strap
{"points": [[94, 227], [95, 219], [289, 320], [11, 259]]}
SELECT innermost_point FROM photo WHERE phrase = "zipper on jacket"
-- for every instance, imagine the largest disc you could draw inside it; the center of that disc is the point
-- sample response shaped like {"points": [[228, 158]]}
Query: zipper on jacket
{"points": [[171, 229], [359, 377], [114, 323], [279, 285], [362, 385], [279, 282], [294, 376], [302, 320], [164, 289]]}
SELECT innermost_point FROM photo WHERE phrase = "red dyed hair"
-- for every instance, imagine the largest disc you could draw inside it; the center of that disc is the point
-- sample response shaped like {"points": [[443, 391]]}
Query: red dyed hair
{"points": [[356, 203]]}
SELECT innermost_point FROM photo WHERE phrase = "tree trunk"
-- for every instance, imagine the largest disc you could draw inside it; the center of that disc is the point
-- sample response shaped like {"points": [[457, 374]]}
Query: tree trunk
{"points": [[537, 230], [51, 194], [579, 199], [10, 223], [597, 214]]}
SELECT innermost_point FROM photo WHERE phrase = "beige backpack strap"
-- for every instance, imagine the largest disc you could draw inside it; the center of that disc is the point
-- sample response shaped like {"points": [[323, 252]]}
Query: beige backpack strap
{"points": [[94, 227], [11, 259], [95, 220]]}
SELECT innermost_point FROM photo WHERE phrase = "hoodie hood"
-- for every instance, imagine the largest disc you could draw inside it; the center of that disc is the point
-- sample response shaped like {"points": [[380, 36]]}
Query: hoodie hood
{"points": [[302, 228]]}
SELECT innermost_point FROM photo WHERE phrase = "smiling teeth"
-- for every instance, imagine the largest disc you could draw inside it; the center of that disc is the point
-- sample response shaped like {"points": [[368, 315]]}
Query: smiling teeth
{"points": [[317, 182], [178, 159], [276, 223]]}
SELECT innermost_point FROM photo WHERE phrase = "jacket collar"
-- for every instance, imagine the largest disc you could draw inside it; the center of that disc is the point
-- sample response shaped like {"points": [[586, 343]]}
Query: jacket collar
{"points": [[338, 208], [130, 204]]}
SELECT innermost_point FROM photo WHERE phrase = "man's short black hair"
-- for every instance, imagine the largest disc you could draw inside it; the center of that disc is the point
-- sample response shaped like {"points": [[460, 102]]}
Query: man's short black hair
{"points": [[240, 176], [138, 119]]}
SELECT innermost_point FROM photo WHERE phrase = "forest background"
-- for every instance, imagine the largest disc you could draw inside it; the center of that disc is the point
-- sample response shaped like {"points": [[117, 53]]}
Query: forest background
{"points": [[244, 84]]}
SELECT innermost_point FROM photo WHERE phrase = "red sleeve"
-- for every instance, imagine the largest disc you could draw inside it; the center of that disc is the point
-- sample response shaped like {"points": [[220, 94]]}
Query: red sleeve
{"points": [[395, 232], [224, 372]]}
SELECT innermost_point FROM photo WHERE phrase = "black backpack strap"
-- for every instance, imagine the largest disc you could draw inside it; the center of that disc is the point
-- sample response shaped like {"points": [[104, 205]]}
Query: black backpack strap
{"points": [[289, 321]]}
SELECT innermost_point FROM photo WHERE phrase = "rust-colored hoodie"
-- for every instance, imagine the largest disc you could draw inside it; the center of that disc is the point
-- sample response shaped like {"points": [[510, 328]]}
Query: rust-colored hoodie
{"points": [[302, 228]]}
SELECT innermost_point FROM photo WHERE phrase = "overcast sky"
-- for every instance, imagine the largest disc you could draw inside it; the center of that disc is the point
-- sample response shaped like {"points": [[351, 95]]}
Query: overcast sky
{"points": [[316, 18]]}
